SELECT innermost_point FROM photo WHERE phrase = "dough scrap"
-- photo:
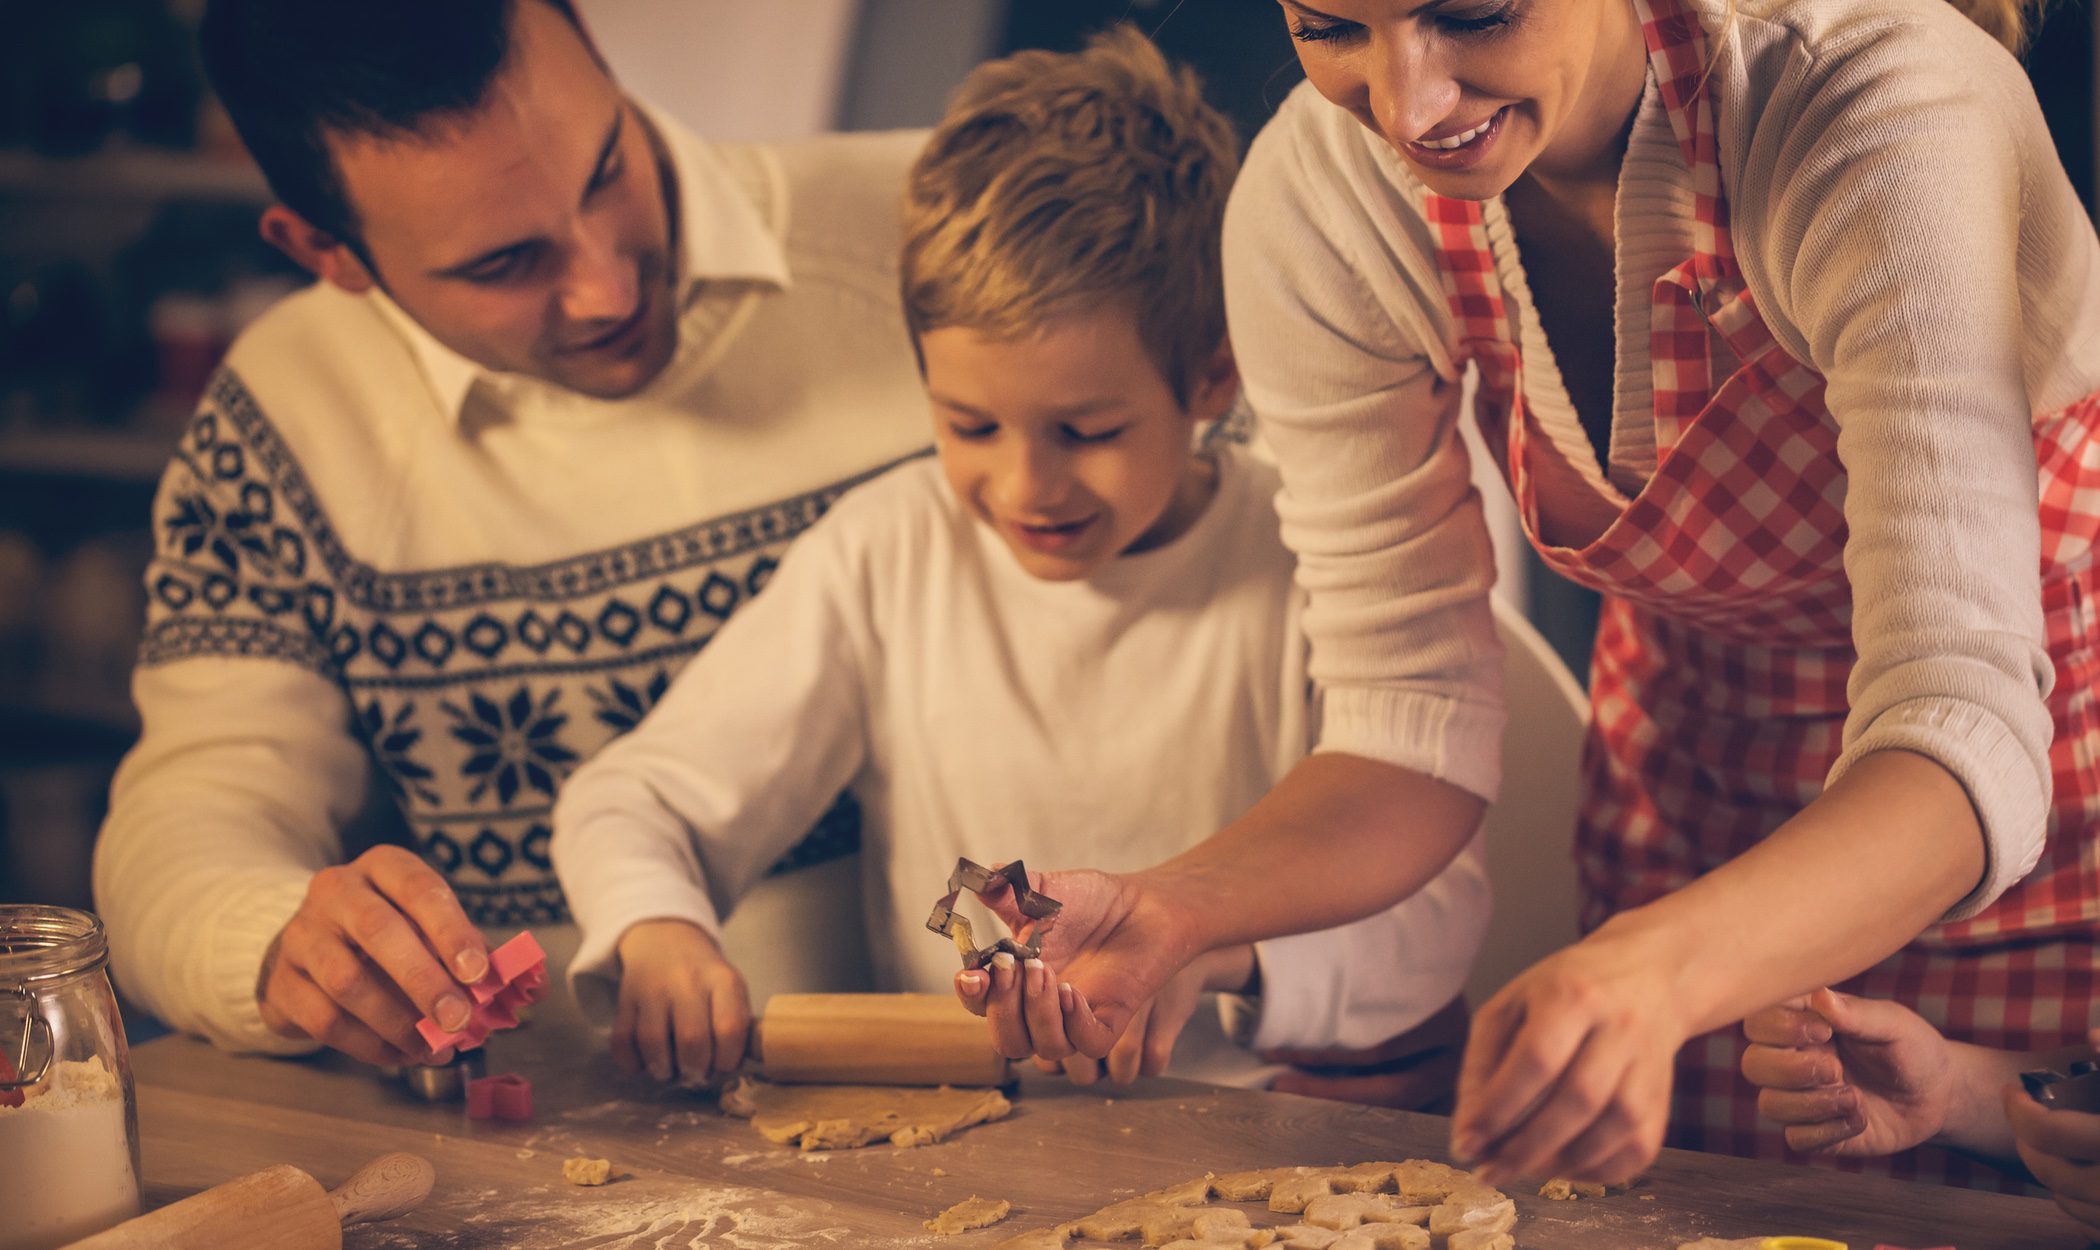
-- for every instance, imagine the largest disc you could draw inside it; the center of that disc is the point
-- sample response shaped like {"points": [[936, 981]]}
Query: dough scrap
{"points": [[1371, 1206], [1561, 1190], [841, 1117], [975, 1212], [582, 1171]]}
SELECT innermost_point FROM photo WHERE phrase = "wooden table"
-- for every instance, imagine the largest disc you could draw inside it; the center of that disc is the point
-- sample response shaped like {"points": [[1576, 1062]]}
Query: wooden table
{"points": [[688, 1177]]}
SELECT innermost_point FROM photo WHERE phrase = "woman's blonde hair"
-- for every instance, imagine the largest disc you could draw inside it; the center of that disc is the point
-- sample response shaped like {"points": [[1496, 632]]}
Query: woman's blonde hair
{"points": [[1057, 182], [2010, 22]]}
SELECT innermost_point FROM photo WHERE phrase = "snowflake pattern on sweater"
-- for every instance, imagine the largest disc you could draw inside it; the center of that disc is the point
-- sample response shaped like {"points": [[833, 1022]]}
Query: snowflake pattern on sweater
{"points": [[475, 688]]}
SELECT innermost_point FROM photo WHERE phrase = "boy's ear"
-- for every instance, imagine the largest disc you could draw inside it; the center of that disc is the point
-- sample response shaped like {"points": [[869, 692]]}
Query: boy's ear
{"points": [[315, 250], [1216, 386]]}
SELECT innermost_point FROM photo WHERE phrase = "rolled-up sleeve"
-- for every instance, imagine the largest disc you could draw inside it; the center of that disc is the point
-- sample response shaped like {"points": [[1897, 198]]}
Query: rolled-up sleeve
{"points": [[1331, 300], [1902, 285]]}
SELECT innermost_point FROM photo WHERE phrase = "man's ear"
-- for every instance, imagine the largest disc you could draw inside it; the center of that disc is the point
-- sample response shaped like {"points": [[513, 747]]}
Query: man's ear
{"points": [[1216, 386], [316, 250]]}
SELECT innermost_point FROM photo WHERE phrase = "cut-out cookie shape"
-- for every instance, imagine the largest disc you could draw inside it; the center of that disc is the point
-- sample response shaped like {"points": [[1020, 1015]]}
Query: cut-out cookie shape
{"points": [[1373, 1206], [1346, 1211], [505, 1096], [516, 978], [974, 1212]]}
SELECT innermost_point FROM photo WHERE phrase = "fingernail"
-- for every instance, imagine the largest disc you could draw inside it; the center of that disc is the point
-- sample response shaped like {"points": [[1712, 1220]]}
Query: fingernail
{"points": [[1003, 961], [972, 983], [472, 964], [1465, 1148], [1065, 996], [453, 1013], [439, 1058]]}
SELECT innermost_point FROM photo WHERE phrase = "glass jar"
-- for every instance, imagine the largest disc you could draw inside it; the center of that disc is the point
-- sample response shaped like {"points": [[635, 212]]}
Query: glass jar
{"points": [[69, 1141]]}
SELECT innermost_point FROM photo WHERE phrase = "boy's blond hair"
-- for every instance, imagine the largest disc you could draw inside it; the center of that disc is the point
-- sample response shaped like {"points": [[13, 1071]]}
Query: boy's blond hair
{"points": [[1060, 181]]}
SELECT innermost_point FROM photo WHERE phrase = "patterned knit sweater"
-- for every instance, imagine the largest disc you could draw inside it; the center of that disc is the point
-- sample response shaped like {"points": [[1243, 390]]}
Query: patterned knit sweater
{"points": [[383, 572]]}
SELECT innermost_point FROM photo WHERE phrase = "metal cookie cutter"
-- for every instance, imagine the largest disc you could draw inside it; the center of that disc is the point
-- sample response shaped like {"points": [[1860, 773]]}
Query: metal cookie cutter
{"points": [[978, 879], [2078, 1091]]}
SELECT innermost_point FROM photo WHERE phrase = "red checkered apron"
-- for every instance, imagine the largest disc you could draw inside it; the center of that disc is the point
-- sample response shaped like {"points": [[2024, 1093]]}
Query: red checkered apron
{"points": [[1718, 681]]}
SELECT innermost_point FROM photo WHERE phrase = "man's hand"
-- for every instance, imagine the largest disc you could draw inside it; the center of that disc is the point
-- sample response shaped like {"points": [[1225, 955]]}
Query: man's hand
{"points": [[1115, 945], [1850, 1076], [684, 1013], [379, 943]]}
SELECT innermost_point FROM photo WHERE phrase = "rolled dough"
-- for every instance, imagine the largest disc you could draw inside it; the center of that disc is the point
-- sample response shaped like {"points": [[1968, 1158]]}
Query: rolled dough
{"points": [[840, 1117]]}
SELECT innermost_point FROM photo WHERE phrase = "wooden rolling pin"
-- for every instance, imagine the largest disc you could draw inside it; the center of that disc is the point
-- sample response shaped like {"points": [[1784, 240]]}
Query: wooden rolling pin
{"points": [[874, 1039], [279, 1208]]}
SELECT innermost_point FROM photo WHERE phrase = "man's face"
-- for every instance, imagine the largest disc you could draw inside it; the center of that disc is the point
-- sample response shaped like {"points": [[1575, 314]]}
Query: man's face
{"points": [[1067, 443], [530, 236]]}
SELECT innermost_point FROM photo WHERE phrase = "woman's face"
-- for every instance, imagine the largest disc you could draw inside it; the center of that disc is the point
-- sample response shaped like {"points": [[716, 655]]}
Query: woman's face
{"points": [[1473, 93]]}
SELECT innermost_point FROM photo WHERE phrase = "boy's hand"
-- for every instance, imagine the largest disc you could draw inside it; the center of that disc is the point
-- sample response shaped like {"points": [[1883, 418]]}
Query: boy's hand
{"points": [[1147, 1045], [2062, 1149], [1115, 945], [1414, 1071], [1850, 1076], [684, 1011], [377, 943]]}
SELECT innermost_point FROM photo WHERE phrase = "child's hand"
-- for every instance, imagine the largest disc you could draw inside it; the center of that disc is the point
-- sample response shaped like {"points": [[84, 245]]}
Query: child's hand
{"points": [[1850, 1076], [684, 1012], [1148, 1044], [2062, 1149]]}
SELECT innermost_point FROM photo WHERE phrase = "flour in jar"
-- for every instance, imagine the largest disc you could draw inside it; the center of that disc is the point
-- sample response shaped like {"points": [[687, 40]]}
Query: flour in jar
{"points": [[65, 1158]]}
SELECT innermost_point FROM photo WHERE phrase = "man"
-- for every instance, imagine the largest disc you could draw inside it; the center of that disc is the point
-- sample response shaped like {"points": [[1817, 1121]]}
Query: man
{"points": [[570, 381]]}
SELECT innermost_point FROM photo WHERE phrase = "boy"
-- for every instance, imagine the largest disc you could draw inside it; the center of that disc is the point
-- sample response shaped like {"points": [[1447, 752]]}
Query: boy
{"points": [[1068, 637], [1858, 1077]]}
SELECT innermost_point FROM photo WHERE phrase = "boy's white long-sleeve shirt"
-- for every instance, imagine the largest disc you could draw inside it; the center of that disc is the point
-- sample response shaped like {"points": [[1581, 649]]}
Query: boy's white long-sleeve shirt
{"points": [[975, 711]]}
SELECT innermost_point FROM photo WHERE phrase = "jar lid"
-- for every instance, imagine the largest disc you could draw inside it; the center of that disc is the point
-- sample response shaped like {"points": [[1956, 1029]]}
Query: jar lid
{"points": [[40, 945]]}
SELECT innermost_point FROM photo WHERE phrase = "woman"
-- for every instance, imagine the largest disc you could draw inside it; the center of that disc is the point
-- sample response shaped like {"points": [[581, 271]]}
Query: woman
{"points": [[1787, 327]]}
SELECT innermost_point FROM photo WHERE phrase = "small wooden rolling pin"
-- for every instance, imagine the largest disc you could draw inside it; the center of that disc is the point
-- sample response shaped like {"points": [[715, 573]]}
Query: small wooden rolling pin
{"points": [[874, 1039], [279, 1208]]}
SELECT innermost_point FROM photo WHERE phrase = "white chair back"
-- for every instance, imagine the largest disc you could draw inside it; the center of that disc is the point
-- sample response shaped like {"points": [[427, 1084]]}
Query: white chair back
{"points": [[1531, 828]]}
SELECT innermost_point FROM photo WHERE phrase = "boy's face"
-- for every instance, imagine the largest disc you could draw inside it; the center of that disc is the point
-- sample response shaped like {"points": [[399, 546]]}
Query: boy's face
{"points": [[1068, 443]]}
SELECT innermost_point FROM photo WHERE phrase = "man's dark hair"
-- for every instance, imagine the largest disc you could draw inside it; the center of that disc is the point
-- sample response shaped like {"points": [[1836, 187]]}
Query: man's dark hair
{"points": [[292, 72]]}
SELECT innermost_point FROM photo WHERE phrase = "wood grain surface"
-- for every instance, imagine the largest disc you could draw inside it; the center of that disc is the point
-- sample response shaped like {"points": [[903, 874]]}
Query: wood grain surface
{"points": [[687, 1176]]}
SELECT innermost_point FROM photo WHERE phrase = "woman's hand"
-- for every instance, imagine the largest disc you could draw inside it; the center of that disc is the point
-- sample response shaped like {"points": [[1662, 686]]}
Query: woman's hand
{"points": [[1850, 1076], [1116, 944], [1568, 1069]]}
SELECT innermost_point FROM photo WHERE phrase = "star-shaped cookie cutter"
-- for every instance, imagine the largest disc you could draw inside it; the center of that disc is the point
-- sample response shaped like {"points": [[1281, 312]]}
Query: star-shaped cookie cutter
{"points": [[978, 879]]}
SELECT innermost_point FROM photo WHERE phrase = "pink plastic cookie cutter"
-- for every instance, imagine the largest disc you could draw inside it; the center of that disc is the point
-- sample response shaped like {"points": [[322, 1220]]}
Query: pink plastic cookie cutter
{"points": [[516, 978], [505, 1096]]}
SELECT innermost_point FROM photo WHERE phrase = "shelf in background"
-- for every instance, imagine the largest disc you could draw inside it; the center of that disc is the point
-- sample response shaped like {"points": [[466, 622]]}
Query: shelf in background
{"points": [[119, 455], [33, 733], [137, 174]]}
